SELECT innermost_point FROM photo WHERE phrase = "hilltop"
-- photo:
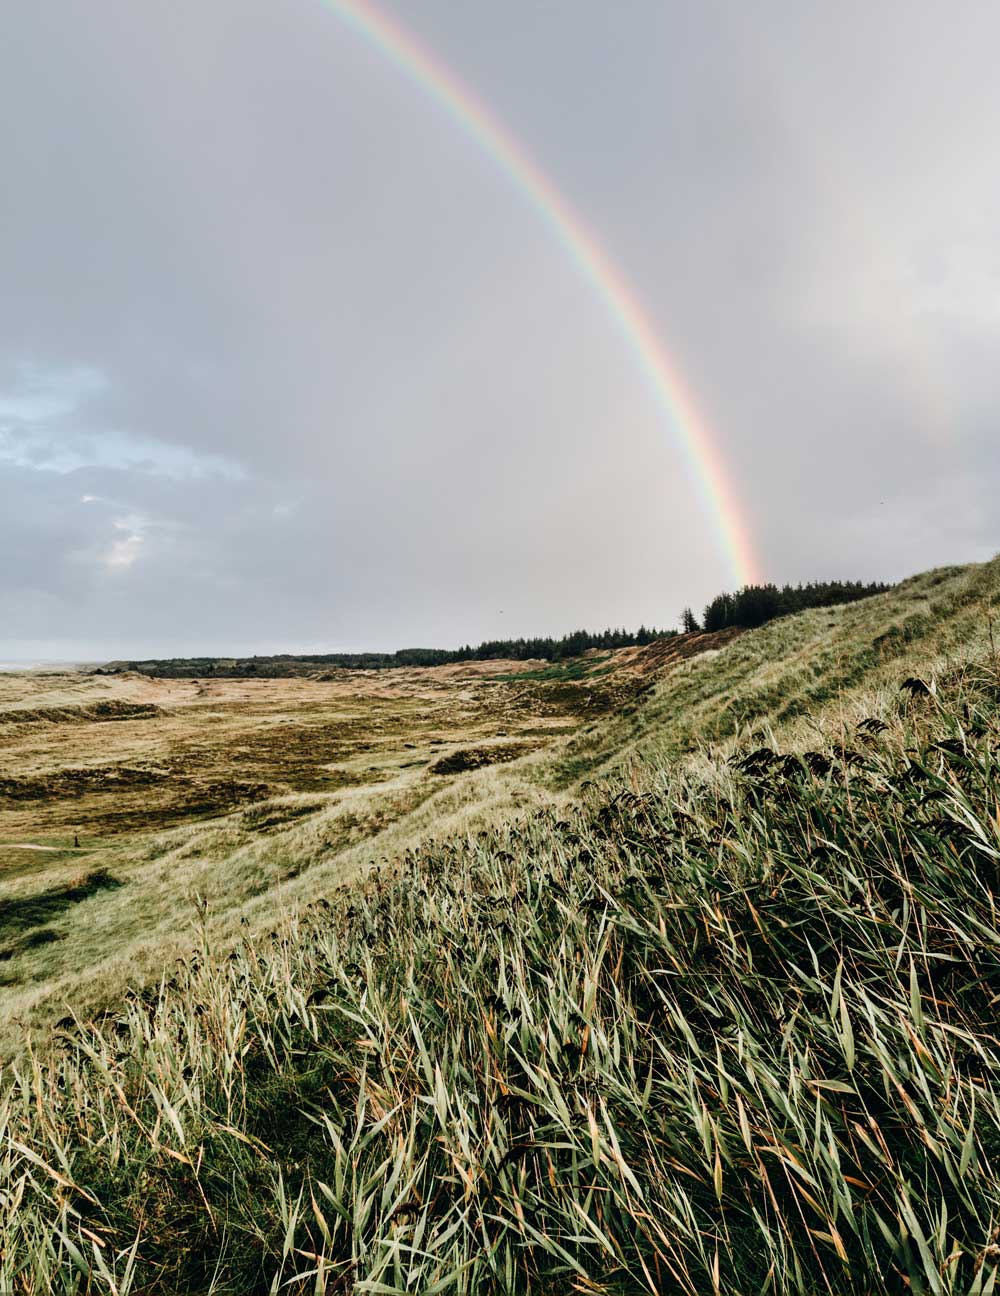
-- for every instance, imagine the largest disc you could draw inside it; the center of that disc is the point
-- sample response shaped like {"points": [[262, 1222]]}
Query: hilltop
{"points": [[696, 995]]}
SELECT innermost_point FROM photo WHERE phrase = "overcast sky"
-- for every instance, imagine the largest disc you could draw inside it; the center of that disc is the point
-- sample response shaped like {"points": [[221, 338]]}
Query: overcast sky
{"points": [[287, 362]]}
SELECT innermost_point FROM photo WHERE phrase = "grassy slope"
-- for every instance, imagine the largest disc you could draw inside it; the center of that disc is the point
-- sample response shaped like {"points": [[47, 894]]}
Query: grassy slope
{"points": [[799, 674], [706, 1030], [118, 936]]}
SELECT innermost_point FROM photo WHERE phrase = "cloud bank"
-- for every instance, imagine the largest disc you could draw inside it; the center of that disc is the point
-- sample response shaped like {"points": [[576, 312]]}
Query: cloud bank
{"points": [[286, 363]]}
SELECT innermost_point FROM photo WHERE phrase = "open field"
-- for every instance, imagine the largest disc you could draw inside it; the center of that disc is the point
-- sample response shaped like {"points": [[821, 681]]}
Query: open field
{"points": [[698, 995], [109, 755], [246, 795], [177, 788]]}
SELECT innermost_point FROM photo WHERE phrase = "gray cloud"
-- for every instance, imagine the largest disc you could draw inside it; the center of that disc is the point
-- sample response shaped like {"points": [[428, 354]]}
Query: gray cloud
{"points": [[286, 361]]}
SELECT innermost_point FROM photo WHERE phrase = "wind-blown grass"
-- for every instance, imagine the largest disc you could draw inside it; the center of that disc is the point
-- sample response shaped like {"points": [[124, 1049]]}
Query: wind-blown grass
{"points": [[731, 1030], [799, 672]]}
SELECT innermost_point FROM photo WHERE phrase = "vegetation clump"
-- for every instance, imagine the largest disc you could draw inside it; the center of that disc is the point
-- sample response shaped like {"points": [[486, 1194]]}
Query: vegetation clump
{"points": [[471, 758], [724, 1029], [106, 710]]}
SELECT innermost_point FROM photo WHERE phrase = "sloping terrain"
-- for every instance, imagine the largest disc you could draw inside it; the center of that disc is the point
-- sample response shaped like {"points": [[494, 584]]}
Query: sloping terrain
{"points": [[247, 795], [721, 1018], [799, 676]]}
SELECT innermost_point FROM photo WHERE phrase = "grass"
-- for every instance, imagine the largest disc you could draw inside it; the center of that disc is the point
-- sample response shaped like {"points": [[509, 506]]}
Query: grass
{"points": [[576, 668], [29, 911], [725, 1034], [256, 795], [796, 673], [722, 1021]]}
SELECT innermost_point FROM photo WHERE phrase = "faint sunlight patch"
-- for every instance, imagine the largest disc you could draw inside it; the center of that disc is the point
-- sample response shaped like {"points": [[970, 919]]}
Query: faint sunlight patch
{"points": [[67, 450], [128, 546], [133, 535], [39, 395], [125, 551]]}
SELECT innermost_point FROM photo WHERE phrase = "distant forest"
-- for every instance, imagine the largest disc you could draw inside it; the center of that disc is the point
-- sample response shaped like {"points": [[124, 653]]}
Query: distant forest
{"points": [[754, 605], [571, 645], [751, 606]]}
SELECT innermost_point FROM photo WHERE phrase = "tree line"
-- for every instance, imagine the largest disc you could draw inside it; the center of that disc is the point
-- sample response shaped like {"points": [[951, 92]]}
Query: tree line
{"points": [[570, 645], [748, 607], [754, 605], [285, 664]]}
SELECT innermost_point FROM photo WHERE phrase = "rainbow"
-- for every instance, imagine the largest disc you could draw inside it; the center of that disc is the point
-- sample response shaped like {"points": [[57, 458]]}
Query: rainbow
{"points": [[674, 401]]}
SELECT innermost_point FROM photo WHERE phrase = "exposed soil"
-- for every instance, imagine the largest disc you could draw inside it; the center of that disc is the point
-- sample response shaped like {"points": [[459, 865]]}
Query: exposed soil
{"points": [[662, 654]]}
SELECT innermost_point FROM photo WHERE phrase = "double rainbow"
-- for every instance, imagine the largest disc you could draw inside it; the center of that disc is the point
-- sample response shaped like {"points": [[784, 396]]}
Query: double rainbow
{"points": [[675, 403]]}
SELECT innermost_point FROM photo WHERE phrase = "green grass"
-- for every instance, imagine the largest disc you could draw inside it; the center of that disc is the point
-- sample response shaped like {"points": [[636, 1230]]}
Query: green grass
{"points": [[576, 668], [727, 1023], [797, 673]]}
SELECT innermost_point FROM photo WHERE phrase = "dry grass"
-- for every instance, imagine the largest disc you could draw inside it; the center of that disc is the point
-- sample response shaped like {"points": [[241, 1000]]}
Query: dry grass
{"points": [[722, 1022], [251, 794], [729, 1031]]}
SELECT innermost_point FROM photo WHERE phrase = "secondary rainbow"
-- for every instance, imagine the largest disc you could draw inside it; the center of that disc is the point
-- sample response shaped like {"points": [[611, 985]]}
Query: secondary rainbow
{"points": [[423, 67]]}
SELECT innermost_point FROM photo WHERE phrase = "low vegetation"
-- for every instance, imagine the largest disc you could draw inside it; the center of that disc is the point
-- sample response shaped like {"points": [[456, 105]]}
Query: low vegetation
{"points": [[255, 794], [470, 758], [723, 1021]]}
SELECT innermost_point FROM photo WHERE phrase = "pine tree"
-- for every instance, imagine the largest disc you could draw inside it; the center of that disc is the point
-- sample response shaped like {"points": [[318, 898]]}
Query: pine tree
{"points": [[689, 622]]}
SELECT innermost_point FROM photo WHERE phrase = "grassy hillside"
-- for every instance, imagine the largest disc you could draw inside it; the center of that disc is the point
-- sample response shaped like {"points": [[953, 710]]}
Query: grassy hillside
{"points": [[713, 1010], [800, 675]]}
